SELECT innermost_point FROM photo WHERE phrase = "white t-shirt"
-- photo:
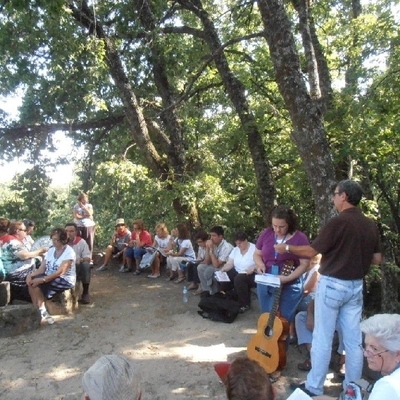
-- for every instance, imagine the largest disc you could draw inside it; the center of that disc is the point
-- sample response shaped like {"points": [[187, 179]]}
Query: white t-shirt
{"points": [[242, 262], [186, 244], [53, 263], [387, 387], [162, 243]]}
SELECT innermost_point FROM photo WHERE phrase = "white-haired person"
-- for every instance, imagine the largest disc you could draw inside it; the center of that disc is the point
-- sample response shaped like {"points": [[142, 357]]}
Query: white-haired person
{"points": [[112, 377], [382, 350]]}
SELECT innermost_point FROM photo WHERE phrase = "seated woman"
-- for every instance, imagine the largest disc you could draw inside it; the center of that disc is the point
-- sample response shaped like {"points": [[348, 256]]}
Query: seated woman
{"points": [[382, 351], [183, 251], [191, 266], [140, 239], [56, 273], [241, 269], [17, 260], [162, 244]]}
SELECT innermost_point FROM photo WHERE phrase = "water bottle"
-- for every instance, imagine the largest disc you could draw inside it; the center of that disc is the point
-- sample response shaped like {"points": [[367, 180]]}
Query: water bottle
{"points": [[185, 294]]}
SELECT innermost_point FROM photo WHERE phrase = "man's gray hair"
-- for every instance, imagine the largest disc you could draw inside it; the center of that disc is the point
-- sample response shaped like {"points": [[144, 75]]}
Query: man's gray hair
{"points": [[352, 189], [112, 377], [385, 328]]}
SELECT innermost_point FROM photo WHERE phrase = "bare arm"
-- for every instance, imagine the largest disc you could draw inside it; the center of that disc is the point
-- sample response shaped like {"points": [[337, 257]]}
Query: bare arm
{"points": [[259, 261], [312, 283], [228, 265], [25, 254], [301, 251], [299, 271]]}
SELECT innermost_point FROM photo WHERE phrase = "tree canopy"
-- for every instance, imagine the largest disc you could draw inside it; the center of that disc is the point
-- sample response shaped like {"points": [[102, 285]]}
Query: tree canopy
{"points": [[207, 111]]}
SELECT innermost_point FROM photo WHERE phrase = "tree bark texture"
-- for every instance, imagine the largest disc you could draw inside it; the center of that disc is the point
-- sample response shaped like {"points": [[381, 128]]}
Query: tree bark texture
{"points": [[308, 129]]}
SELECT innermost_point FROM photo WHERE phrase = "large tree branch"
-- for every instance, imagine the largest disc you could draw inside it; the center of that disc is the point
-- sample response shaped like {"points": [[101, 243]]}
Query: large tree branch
{"points": [[83, 14], [31, 131]]}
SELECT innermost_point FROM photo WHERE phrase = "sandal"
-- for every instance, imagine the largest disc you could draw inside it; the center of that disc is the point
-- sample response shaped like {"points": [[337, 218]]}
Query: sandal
{"points": [[304, 366], [193, 286], [179, 280]]}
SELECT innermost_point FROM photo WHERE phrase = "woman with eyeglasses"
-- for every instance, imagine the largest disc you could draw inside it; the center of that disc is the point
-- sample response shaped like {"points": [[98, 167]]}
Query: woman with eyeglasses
{"points": [[17, 260], [382, 352], [56, 273]]}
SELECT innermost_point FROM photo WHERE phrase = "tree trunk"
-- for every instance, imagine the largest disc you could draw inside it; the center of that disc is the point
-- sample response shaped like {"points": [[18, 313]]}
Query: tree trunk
{"points": [[236, 93], [308, 130]]}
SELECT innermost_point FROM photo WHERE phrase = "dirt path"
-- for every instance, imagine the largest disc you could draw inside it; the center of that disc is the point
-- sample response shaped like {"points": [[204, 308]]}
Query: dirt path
{"points": [[145, 320]]}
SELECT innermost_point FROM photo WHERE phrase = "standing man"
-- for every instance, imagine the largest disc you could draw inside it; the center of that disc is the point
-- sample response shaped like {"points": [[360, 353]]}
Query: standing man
{"points": [[217, 254], [83, 257], [349, 244]]}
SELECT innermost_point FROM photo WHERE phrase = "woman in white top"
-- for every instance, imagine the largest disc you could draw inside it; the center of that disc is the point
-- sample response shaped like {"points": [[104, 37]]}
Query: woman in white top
{"points": [[241, 269], [382, 351], [56, 273], [162, 244], [182, 251]]}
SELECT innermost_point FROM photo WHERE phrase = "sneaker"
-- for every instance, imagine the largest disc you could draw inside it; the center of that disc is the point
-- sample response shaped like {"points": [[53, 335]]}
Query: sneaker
{"points": [[102, 268], [303, 388], [153, 276], [124, 269], [137, 272], [47, 317], [244, 309]]}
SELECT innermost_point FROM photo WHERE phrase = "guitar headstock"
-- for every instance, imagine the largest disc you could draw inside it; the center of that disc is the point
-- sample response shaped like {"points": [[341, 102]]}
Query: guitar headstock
{"points": [[288, 268]]}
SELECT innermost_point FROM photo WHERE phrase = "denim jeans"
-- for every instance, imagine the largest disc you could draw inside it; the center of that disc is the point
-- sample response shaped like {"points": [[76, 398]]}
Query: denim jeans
{"points": [[290, 298], [136, 252], [340, 301]]}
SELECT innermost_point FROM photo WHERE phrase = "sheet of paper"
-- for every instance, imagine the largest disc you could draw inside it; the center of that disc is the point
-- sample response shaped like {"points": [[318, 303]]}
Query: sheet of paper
{"points": [[268, 279], [221, 276], [298, 394]]}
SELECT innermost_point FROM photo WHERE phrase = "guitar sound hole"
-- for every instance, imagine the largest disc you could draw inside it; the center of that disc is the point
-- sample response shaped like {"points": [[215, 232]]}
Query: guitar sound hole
{"points": [[268, 331]]}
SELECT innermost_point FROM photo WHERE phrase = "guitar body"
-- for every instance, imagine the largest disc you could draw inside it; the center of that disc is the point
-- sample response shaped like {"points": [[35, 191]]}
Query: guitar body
{"points": [[268, 345]]}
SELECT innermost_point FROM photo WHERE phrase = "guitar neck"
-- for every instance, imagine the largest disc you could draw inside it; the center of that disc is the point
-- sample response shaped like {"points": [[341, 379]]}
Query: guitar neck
{"points": [[274, 308]]}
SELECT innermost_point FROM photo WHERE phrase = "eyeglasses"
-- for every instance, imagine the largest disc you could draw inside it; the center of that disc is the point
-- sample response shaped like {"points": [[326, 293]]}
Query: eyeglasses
{"points": [[370, 353]]}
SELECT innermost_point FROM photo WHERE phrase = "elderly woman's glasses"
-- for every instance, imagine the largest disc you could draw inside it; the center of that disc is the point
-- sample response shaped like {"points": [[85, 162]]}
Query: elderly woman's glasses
{"points": [[370, 353]]}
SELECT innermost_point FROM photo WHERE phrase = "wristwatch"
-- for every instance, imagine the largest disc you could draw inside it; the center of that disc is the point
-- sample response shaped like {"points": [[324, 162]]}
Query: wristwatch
{"points": [[287, 248]]}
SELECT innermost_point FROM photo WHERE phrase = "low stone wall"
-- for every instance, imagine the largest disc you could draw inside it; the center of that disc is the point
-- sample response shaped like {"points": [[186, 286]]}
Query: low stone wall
{"points": [[18, 319], [65, 302], [5, 293], [23, 317]]}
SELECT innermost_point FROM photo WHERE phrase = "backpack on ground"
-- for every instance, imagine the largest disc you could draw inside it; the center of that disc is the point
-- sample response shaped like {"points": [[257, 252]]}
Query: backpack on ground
{"points": [[220, 307]]}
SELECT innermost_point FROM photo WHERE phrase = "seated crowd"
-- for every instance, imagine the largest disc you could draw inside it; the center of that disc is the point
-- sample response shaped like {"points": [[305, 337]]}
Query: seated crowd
{"points": [[38, 273]]}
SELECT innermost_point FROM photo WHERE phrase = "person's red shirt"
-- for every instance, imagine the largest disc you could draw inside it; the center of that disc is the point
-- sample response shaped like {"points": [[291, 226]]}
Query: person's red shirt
{"points": [[144, 238]]}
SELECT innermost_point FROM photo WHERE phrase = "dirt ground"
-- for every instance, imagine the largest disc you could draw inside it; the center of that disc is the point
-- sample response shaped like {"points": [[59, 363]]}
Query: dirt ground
{"points": [[145, 320]]}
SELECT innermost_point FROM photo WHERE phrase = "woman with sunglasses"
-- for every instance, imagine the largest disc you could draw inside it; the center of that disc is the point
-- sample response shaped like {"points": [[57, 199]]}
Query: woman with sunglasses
{"points": [[382, 352], [56, 273], [17, 260]]}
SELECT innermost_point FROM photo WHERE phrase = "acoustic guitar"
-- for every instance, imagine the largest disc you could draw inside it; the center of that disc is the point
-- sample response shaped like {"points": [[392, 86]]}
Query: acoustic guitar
{"points": [[268, 346]]}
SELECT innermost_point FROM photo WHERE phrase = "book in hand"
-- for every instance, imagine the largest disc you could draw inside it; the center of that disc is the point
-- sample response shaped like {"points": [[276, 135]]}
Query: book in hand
{"points": [[268, 279], [221, 276]]}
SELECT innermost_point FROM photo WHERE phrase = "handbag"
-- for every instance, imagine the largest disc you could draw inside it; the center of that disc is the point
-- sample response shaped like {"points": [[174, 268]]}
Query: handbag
{"points": [[148, 257]]}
